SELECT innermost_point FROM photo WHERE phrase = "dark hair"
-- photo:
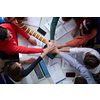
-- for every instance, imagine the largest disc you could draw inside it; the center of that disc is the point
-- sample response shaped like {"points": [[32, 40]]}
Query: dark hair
{"points": [[3, 33], [91, 61], [20, 18], [66, 18], [90, 24], [13, 71], [80, 80]]}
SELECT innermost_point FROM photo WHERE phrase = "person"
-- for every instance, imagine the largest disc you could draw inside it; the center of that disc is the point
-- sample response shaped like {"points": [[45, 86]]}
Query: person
{"points": [[2, 62], [88, 31], [65, 19], [11, 19], [89, 57], [16, 72], [8, 40], [85, 76], [18, 21]]}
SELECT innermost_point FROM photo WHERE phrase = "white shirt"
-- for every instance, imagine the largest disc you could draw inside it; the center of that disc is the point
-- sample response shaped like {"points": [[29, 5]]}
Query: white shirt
{"points": [[81, 52]]}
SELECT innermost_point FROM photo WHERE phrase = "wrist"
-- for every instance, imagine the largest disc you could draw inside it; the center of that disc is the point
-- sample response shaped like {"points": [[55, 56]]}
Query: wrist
{"points": [[52, 41]]}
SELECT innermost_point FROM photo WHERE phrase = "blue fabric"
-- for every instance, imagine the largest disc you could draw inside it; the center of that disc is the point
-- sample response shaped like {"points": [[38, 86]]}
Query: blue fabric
{"points": [[1, 80], [98, 50], [6, 78], [98, 33], [1, 20]]}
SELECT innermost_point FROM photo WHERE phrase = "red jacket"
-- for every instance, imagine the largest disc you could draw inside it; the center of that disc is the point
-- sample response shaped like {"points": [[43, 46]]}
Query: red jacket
{"points": [[10, 46], [82, 40]]}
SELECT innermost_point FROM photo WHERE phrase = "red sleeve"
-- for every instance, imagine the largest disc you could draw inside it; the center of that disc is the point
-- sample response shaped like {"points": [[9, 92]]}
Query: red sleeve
{"points": [[77, 42], [82, 40], [20, 49], [20, 31]]}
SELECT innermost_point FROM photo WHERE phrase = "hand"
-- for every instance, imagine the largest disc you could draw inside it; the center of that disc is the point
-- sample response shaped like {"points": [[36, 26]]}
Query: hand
{"points": [[50, 47], [29, 61], [74, 32], [9, 19], [56, 50], [49, 43], [32, 41]]}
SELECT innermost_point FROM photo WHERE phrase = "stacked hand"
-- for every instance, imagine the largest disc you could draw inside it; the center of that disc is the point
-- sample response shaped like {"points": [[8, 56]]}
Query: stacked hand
{"points": [[56, 50], [50, 46]]}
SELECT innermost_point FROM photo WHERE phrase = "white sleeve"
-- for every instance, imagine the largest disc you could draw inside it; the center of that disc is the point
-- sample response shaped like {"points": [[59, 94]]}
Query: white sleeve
{"points": [[79, 50]]}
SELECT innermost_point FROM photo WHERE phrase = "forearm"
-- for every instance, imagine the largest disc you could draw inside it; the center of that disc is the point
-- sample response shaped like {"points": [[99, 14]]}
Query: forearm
{"points": [[72, 61], [20, 31], [65, 50], [44, 54], [25, 72], [53, 27], [22, 49], [62, 45]]}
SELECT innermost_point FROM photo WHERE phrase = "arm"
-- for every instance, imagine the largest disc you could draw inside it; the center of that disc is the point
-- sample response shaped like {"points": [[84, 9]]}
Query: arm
{"points": [[65, 50], [8, 19], [20, 49], [78, 21], [73, 62], [80, 40], [76, 42], [53, 27], [25, 35], [76, 50], [62, 45], [25, 72], [83, 71], [29, 61], [20, 31]]}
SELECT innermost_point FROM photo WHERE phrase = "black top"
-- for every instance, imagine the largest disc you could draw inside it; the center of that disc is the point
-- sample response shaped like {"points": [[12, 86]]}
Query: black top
{"points": [[26, 71]]}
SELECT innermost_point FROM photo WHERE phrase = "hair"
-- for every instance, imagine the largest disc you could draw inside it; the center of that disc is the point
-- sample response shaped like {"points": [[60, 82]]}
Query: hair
{"points": [[20, 18], [90, 23], [3, 33], [66, 18], [80, 80], [91, 61], [13, 71]]}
